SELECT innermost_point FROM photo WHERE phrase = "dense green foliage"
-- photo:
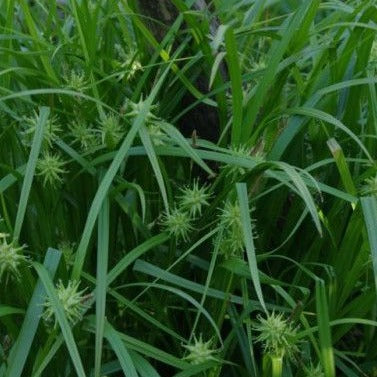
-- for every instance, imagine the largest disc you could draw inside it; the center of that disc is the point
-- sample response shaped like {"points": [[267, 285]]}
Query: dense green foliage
{"points": [[130, 245]]}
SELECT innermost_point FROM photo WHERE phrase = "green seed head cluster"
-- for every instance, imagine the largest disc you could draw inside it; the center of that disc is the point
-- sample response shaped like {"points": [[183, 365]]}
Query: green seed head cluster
{"points": [[133, 66], [277, 335], [75, 80], [50, 168], [83, 134], [73, 301], [370, 186], [243, 151], [156, 134], [194, 198], [200, 352], [133, 109], [11, 258], [178, 223], [67, 249], [259, 65], [191, 201], [230, 218], [51, 132], [128, 64], [111, 131], [152, 122], [239, 151]]}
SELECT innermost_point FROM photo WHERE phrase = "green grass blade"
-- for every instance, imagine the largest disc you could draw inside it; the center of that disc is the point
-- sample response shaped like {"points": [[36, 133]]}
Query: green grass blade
{"points": [[183, 143], [121, 351], [236, 82], [101, 283], [22, 347], [321, 115], [369, 206], [143, 366], [249, 240], [149, 148], [109, 177], [62, 319], [30, 169], [274, 58], [9, 310], [324, 329], [49, 356], [134, 254], [342, 165], [146, 349]]}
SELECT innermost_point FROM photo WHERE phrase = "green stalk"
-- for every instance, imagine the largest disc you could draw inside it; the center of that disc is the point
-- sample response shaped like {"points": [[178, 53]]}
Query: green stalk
{"points": [[277, 366]]}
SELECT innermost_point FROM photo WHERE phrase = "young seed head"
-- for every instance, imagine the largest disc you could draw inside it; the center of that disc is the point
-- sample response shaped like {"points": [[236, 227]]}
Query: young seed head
{"points": [[67, 249], [239, 151], [231, 216], [75, 80], [200, 352], [133, 109], [111, 131], [73, 301], [178, 224], [156, 133], [277, 335], [194, 198], [11, 258], [133, 66], [50, 133], [127, 63], [50, 168], [370, 186], [83, 135], [246, 152], [230, 220]]}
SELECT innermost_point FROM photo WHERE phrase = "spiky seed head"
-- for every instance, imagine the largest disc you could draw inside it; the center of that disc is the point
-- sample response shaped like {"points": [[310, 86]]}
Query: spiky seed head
{"points": [[200, 352], [67, 249], [50, 168], [243, 151], [231, 215], [239, 151], [111, 131], [277, 335], [128, 63], [156, 134], [370, 186], [83, 134], [194, 198], [178, 224], [133, 66], [11, 258], [230, 220], [74, 303], [133, 109], [51, 130], [75, 80]]}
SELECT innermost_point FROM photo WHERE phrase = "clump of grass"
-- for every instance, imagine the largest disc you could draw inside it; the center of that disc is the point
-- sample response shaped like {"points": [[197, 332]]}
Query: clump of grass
{"points": [[285, 93]]}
